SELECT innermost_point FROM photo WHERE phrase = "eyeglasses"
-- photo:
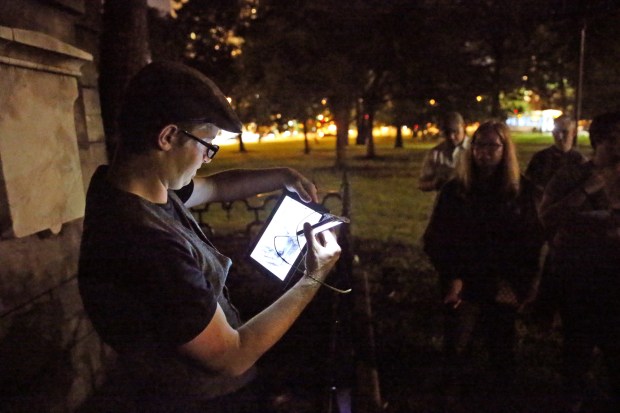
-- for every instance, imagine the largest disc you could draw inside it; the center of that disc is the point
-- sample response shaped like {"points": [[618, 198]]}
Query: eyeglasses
{"points": [[211, 149]]}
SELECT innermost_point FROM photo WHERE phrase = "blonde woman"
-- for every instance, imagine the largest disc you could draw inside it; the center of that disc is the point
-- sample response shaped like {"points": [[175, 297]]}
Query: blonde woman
{"points": [[484, 240]]}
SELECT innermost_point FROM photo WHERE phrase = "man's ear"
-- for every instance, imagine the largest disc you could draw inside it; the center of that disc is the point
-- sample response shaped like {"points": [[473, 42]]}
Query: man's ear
{"points": [[165, 137]]}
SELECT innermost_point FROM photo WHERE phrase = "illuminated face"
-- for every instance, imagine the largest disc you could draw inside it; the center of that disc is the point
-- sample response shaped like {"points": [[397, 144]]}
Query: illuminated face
{"points": [[564, 134], [488, 150], [454, 132], [190, 154]]}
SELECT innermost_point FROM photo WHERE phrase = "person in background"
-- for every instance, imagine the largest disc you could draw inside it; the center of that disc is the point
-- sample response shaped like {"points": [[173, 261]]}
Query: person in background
{"points": [[546, 162], [440, 162], [152, 283], [484, 240], [581, 209], [540, 170]]}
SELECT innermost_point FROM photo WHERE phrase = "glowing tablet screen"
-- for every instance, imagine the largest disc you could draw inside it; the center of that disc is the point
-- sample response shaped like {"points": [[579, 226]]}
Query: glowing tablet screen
{"points": [[279, 245]]}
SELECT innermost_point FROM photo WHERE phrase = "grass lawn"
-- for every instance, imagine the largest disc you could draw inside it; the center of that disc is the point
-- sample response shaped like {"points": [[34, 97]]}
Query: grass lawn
{"points": [[389, 215], [386, 204]]}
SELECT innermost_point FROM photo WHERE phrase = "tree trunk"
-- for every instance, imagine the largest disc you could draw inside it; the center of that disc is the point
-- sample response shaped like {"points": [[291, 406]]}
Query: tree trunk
{"points": [[399, 136], [241, 145], [341, 117], [306, 143], [496, 109], [124, 50], [361, 123], [370, 141]]}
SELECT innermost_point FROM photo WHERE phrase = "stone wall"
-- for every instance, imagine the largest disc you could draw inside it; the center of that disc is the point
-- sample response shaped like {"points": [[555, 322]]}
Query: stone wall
{"points": [[51, 140]]}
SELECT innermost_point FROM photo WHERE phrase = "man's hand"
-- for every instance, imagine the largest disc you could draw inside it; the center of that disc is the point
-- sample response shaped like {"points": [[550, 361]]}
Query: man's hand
{"points": [[323, 252], [453, 297], [302, 186], [593, 184]]}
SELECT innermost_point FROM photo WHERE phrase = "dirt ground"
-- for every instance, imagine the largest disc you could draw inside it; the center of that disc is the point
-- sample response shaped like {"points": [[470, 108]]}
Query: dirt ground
{"points": [[320, 355]]}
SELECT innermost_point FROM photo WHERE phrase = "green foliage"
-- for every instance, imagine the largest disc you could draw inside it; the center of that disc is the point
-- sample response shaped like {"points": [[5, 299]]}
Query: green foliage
{"points": [[278, 56], [205, 34]]}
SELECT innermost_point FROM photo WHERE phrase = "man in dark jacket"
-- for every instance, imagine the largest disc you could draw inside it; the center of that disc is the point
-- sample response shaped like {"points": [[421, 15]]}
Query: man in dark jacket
{"points": [[581, 210]]}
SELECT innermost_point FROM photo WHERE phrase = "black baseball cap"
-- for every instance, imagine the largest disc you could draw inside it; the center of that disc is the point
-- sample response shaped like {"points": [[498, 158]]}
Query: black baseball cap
{"points": [[172, 92]]}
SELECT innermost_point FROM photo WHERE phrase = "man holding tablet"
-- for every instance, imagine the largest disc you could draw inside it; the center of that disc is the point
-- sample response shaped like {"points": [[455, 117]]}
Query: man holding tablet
{"points": [[151, 282]]}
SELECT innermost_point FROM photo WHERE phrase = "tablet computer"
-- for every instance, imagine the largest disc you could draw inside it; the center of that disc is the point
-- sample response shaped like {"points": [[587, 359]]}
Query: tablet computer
{"points": [[279, 247]]}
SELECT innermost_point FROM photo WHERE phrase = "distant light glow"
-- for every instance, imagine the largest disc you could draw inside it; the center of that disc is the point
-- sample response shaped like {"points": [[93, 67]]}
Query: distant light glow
{"points": [[479, 98], [193, 36], [432, 102], [541, 120]]}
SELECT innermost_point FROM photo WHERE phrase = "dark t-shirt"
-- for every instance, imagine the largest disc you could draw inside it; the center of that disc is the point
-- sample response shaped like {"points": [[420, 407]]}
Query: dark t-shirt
{"points": [[141, 284], [586, 240], [150, 281], [544, 164]]}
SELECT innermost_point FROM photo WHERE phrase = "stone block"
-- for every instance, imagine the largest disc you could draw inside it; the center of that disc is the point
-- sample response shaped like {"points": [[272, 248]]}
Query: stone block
{"points": [[92, 111], [92, 104], [40, 176], [90, 359], [90, 75], [75, 325], [94, 128], [91, 158], [40, 369], [30, 266], [75, 6], [39, 157]]}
